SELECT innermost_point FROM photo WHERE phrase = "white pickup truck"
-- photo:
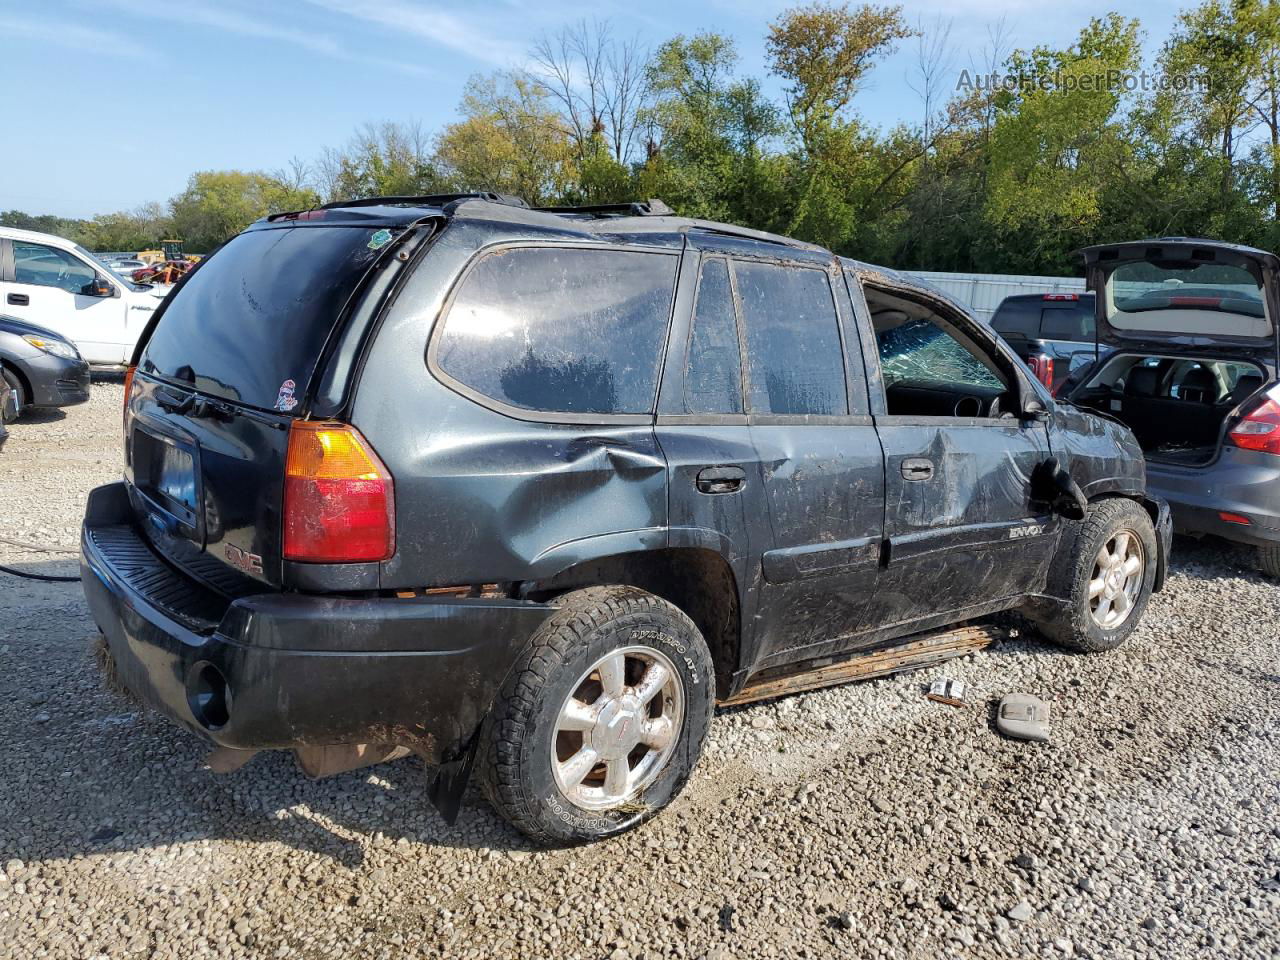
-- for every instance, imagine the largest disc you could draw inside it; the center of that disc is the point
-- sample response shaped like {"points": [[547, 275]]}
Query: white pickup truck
{"points": [[58, 284]]}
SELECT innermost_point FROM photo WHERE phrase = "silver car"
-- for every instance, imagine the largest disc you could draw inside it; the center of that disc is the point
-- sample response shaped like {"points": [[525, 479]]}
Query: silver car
{"points": [[1193, 328]]}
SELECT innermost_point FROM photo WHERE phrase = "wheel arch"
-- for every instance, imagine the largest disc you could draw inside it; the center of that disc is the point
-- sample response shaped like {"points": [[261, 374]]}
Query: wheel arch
{"points": [[1158, 510], [21, 378], [698, 580]]}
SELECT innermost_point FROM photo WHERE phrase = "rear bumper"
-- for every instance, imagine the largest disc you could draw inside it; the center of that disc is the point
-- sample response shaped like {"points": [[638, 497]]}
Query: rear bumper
{"points": [[289, 670], [1241, 482]]}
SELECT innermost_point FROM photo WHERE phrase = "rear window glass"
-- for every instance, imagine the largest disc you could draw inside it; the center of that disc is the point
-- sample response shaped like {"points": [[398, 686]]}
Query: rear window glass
{"points": [[794, 361], [251, 321], [1067, 323], [1181, 297], [561, 329], [1018, 318]]}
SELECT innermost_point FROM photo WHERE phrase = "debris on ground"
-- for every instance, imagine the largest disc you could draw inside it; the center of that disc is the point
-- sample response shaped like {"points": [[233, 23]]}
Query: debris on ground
{"points": [[1023, 717], [950, 692]]}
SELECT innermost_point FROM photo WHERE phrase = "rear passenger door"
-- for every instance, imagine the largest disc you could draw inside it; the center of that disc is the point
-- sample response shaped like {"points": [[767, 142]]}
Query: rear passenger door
{"points": [[821, 461], [715, 479]]}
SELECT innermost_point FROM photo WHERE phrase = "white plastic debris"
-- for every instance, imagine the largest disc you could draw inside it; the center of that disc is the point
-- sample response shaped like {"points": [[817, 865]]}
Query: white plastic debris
{"points": [[1023, 716]]}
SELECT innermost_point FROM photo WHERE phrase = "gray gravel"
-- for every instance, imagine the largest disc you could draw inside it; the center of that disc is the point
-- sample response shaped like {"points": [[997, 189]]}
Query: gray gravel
{"points": [[864, 821]]}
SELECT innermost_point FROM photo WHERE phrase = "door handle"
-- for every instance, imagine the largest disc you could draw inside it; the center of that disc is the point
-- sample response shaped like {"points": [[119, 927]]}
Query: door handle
{"points": [[720, 479], [917, 468], [18, 300]]}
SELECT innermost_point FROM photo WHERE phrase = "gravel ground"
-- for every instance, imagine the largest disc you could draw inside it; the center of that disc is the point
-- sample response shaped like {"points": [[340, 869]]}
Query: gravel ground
{"points": [[863, 821]]}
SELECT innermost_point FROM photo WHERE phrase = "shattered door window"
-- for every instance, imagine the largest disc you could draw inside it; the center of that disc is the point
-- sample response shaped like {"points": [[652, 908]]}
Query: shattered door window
{"points": [[920, 352]]}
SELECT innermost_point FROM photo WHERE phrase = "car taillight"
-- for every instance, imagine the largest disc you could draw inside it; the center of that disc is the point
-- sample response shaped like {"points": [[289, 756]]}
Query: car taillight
{"points": [[1042, 366], [339, 501], [1259, 429], [1062, 296], [128, 396]]}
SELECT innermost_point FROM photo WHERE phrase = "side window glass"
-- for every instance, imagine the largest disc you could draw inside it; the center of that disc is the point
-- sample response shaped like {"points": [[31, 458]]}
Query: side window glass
{"points": [[560, 329], [918, 352], [794, 360], [43, 266], [713, 376]]}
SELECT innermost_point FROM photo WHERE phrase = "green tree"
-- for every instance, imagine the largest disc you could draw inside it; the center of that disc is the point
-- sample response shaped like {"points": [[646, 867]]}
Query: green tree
{"points": [[510, 140], [380, 160], [708, 134], [823, 52], [139, 230], [218, 204], [1055, 146]]}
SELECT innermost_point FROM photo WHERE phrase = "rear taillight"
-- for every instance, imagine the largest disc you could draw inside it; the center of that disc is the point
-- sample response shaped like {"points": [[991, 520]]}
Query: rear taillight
{"points": [[1259, 429], [128, 396], [1042, 366], [339, 501], [1062, 296]]}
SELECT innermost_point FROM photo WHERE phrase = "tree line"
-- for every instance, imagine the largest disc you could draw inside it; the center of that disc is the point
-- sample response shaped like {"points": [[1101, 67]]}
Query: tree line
{"points": [[1008, 166]]}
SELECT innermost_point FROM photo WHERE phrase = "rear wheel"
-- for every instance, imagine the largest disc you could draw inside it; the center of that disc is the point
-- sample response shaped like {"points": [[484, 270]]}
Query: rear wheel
{"points": [[1106, 577], [1269, 559], [602, 718], [19, 395]]}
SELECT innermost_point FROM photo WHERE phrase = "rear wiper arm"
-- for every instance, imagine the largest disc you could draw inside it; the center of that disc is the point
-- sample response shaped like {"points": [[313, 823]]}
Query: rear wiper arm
{"points": [[194, 406]]}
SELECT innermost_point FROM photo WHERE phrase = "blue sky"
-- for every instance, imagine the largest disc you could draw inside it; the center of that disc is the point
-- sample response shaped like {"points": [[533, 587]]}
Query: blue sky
{"points": [[113, 103]]}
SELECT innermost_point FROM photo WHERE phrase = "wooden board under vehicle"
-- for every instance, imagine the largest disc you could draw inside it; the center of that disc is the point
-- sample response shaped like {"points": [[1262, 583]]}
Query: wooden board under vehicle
{"points": [[923, 651]]}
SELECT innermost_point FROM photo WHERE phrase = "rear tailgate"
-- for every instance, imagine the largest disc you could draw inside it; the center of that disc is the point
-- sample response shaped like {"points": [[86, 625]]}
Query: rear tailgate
{"points": [[1176, 296], [227, 368]]}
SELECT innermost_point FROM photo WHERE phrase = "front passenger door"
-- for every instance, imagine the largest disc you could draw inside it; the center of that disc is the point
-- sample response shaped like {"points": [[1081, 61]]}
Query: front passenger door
{"points": [[45, 288], [963, 529]]}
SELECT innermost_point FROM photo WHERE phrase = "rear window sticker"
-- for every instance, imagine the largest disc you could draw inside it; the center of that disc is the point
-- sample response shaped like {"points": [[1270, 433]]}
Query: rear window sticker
{"points": [[285, 400]]}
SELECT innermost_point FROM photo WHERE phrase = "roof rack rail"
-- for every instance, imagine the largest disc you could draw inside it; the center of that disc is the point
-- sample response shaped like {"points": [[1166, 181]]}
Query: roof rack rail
{"points": [[731, 230], [639, 208], [429, 200]]}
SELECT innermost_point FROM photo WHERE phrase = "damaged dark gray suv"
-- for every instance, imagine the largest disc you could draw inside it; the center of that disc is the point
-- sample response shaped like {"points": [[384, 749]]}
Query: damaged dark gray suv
{"points": [[526, 492]]}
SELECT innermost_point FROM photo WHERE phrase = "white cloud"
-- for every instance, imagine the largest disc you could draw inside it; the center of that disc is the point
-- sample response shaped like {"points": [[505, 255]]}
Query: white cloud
{"points": [[466, 35], [232, 21], [86, 39]]}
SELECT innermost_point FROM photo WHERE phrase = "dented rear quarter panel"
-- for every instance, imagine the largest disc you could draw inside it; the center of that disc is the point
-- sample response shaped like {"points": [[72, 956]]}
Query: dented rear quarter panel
{"points": [[482, 496]]}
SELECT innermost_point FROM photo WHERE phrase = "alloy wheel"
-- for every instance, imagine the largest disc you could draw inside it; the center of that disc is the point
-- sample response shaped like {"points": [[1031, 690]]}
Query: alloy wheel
{"points": [[1117, 579], [617, 729]]}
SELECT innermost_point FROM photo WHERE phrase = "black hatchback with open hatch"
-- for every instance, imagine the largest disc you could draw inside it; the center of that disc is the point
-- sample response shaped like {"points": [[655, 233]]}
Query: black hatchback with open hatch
{"points": [[527, 492]]}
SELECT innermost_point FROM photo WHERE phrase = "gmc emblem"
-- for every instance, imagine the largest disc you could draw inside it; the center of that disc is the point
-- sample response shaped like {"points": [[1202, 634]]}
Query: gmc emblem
{"points": [[242, 560]]}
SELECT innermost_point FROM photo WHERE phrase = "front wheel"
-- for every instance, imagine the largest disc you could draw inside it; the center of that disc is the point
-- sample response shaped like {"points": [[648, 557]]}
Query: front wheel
{"points": [[19, 396], [602, 718], [1106, 577]]}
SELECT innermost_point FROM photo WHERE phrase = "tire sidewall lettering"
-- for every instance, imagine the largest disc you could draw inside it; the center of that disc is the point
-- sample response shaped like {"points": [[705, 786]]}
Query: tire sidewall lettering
{"points": [[655, 638]]}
